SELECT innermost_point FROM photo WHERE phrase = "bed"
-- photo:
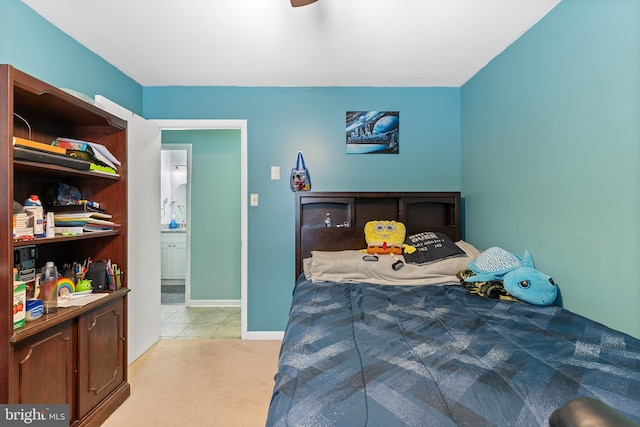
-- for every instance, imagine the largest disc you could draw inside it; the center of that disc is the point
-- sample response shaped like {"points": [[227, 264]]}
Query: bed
{"points": [[363, 350]]}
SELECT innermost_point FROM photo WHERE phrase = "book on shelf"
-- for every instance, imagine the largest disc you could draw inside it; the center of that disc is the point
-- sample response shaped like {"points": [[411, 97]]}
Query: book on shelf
{"points": [[75, 230], [61, 215], [94, 220], [103, 222], [22, 225], [69, 230], [49, 148], [96, 227], [92, 150], [76, 222], [106, 170], [80, 207], [39, 156]]}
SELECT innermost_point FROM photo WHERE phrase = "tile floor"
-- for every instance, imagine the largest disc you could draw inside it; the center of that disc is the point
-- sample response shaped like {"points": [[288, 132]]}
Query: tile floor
{"points": [[171, 294], [180, 322]]}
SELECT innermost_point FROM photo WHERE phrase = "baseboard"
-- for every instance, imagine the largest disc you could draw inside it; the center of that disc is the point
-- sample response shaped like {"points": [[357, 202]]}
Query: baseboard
{"points": [[265, 335]]}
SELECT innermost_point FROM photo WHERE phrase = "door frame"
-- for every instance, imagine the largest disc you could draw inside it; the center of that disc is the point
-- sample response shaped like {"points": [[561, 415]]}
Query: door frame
{"points": [[210, 124], [188, 149]]}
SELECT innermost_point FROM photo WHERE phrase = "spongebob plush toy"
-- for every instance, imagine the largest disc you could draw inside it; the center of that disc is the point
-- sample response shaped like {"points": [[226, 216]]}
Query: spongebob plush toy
{"points": [[386, 238]]}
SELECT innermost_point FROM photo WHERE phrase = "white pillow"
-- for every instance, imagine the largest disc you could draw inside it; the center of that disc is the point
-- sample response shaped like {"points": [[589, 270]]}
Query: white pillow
{"points": [[349, 267]]}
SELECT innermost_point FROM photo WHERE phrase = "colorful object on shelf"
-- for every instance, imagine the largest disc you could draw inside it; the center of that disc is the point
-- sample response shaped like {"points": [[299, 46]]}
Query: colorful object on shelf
{"points": [[35, 309], [34, 206], [84, 285], [19, 298], [114, 276], [65, 286]]}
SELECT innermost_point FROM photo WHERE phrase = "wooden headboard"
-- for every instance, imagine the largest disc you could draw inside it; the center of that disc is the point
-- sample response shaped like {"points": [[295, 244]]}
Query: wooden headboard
{"points": [[350, 211]]}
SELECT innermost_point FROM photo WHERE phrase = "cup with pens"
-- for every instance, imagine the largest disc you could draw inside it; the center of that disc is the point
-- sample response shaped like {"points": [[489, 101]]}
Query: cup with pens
{"points": [[115, 276]]}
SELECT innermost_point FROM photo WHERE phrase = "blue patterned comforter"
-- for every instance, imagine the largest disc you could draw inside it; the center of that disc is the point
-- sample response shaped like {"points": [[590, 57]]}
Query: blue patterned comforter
{"points": [[371, 355]]}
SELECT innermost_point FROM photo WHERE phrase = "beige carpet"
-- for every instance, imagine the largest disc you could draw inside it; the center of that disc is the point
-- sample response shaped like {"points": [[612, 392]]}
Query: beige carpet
{"points": [[200, 383]]}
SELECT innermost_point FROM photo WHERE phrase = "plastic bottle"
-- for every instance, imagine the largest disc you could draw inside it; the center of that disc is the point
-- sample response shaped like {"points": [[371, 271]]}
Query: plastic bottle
{"points": [[51, 225], [33, 205], [49, 287], [327, 220]]}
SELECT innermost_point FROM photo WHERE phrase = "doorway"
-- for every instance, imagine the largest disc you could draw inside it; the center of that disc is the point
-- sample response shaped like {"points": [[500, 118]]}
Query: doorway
{"points": [[175, 211], [240, 125]]}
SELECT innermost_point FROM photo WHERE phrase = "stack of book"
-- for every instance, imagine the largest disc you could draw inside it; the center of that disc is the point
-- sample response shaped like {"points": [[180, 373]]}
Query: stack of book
{"points": [[73, 153], [68, 222], [102, 161], [23, 225], [27, 143], [26, 149]]}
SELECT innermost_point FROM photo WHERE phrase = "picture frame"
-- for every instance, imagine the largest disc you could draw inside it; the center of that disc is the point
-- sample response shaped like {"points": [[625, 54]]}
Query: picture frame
{"points": [[372, 132]]}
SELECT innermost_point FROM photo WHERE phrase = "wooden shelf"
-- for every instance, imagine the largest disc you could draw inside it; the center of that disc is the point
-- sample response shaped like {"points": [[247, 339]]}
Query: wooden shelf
{"points": [[58, 238], [89, 341], [50, 170], [63, 314]]}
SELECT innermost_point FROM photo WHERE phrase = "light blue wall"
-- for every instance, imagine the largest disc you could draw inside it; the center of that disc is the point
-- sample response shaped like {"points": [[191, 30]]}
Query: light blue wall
{"points": [[549, 148], [550, 154], [281, 120], [33, 45], [215, 211]]}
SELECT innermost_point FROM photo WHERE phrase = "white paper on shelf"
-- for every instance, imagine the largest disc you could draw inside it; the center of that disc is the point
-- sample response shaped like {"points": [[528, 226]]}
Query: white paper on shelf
{"points": [[78, 302]]}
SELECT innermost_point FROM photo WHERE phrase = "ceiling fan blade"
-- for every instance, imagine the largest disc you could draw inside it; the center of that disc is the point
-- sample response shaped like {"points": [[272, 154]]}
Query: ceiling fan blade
{"points": [[297, 3]]}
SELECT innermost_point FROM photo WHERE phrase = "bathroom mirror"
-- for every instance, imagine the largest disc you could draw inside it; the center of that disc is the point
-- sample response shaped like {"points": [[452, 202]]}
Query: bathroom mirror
{"points": [[174, 183]]}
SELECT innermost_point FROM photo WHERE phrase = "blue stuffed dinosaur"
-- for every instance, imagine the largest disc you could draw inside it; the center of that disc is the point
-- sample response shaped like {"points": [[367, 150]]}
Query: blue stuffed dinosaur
{"points": [[519, 276]]}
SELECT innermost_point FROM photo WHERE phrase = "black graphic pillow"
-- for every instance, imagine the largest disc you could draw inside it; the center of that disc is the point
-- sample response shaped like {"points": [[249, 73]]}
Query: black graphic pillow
{"points": [[431, 247]]}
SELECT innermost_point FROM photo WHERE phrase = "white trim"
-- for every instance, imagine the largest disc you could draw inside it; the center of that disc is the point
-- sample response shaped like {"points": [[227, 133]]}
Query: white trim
{"points": [[240, 124], [265, 335]]}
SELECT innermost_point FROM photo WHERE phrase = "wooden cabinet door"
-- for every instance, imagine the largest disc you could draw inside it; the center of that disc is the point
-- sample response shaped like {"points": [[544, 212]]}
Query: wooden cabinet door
{"points": [[44, 368], [101, 354]]}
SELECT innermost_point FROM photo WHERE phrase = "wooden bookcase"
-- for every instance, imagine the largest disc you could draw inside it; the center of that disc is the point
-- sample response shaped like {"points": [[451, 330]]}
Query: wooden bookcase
{"points": [[77, 356]]}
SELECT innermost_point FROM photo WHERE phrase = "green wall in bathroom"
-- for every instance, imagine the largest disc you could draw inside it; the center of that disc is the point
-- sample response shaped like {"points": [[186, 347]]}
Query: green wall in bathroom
{"points": [[215, 211]]}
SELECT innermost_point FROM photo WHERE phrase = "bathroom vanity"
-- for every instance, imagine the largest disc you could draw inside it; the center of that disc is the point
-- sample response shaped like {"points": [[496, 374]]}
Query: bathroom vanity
{"points": [[173, 248]]}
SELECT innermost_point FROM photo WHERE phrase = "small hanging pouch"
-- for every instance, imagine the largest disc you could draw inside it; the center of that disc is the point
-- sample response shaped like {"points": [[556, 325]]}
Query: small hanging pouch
{"points": [[300, 176]]}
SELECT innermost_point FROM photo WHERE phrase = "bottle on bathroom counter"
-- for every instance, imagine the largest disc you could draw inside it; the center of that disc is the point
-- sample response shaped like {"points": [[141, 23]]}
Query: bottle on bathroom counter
{"points": [[173, 224]]}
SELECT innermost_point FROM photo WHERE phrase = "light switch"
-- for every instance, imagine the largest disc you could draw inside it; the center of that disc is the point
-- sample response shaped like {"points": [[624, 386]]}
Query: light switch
{"points": [[275, 172], [253, 200]]}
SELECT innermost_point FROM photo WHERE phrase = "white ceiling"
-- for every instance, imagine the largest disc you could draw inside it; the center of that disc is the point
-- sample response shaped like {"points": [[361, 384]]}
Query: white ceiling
{"points": [[269, 43]]}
